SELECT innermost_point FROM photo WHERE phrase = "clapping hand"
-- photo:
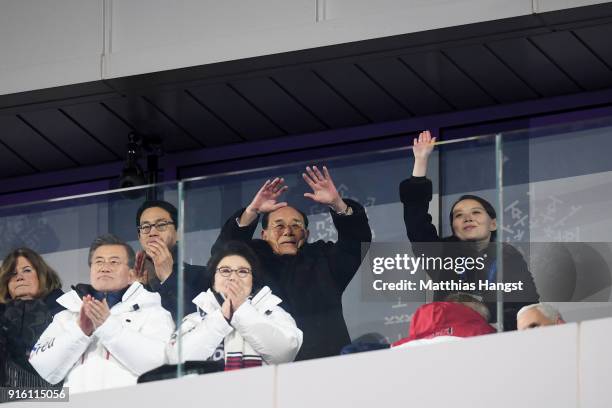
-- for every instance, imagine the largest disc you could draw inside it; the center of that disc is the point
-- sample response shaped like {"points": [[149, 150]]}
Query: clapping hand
{"points": [[93, 314], [158, 251], [235, 295], [84, 321], [97, 311]]}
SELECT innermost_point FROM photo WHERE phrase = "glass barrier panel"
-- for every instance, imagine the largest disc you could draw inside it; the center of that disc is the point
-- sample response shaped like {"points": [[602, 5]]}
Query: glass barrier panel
{"points": [[468, 209], [557, 195], [322, 301], [350, 276], [101, 310]]}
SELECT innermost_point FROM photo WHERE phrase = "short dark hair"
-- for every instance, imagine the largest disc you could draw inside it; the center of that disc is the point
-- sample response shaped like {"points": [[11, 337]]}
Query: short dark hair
{"points": [[265, 218], [171, 209], [485, 204], [110, 239], [48, 279], [241, 249]]}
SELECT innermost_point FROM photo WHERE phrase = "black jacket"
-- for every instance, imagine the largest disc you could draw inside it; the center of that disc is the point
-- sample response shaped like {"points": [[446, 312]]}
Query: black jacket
{"points": [[311, 282], [21, 324], [415, 194], [196, 280]]}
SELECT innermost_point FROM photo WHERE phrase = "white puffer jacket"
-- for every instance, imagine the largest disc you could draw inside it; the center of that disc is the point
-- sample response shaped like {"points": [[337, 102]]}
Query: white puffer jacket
{"points": [[265, 326], [130, 342]]}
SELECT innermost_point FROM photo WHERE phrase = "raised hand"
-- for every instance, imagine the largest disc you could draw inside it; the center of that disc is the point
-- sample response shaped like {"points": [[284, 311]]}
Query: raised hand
{"points": [[422, 148], [158, 251], [266, 198], [323, 188], [423, 145]]}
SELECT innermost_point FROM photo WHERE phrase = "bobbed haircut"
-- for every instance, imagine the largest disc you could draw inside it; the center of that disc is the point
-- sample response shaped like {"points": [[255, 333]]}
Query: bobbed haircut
{"points": [[48, 279], [485, 204], [240, 249]]}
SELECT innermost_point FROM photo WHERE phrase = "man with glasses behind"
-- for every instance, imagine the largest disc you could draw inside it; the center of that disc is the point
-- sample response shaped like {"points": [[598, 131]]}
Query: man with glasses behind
{"points": [[309, 277], [112, 330], [156, 264]]}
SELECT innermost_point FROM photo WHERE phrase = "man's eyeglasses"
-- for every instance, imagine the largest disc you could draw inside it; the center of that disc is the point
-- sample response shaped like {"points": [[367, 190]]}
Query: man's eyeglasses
{"points": [[113, 263], [295, 226], [226, 272], [160, 226]]}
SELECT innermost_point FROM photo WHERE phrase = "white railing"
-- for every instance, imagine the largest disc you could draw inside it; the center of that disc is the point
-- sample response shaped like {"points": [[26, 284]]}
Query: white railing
{"points": [[561, 366]]}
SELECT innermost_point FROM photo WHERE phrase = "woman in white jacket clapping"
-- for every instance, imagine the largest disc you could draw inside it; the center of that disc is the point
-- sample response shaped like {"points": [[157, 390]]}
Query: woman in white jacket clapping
{"points": [[238, 321]]}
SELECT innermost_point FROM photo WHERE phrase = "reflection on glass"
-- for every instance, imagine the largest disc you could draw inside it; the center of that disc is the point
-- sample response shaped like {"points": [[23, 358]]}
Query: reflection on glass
{"points": [[108, 326], [557, 192], [319, 233]]}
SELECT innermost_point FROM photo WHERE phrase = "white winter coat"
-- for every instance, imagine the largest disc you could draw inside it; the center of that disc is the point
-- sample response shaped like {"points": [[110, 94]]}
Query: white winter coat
{"points": [[266, 327], [130, 342]]}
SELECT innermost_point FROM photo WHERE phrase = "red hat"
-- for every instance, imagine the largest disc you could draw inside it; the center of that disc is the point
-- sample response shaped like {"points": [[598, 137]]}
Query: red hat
{"points": [[445, 319]]}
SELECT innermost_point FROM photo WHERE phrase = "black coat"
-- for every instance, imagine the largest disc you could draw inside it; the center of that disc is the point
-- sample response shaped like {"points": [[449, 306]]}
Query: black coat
{"points": [[311, 282], [21, 324], [415, 194], [196, 280]]}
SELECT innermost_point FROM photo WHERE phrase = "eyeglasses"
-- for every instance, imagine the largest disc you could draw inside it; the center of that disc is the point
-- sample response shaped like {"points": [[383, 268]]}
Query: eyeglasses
{"points": [[226, 272], [294, 227], [160, 226], [113, 263]]}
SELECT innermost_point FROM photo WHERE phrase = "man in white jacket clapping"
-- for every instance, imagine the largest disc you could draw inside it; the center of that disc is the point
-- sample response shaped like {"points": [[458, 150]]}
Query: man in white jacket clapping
{"points": [[111, 332]]}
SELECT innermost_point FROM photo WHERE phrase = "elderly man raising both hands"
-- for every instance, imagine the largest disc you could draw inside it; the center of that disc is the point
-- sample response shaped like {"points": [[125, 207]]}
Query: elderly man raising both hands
{"points": [[309, 277]]}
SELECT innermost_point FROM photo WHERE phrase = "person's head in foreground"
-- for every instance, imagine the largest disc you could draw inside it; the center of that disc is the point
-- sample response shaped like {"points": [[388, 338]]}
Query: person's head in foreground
{"points": [[446, 321], [537, 315]]}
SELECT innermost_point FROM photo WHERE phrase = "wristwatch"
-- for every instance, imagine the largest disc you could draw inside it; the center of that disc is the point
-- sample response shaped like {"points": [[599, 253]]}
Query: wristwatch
{"points": [[347, 211]]}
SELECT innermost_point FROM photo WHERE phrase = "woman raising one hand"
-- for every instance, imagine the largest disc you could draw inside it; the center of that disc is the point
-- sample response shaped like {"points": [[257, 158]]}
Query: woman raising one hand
{"points": [[474, 230]]}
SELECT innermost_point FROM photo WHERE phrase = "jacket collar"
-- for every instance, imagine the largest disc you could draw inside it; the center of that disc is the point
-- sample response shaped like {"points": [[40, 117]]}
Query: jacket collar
{"points": [[73, 302]]}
